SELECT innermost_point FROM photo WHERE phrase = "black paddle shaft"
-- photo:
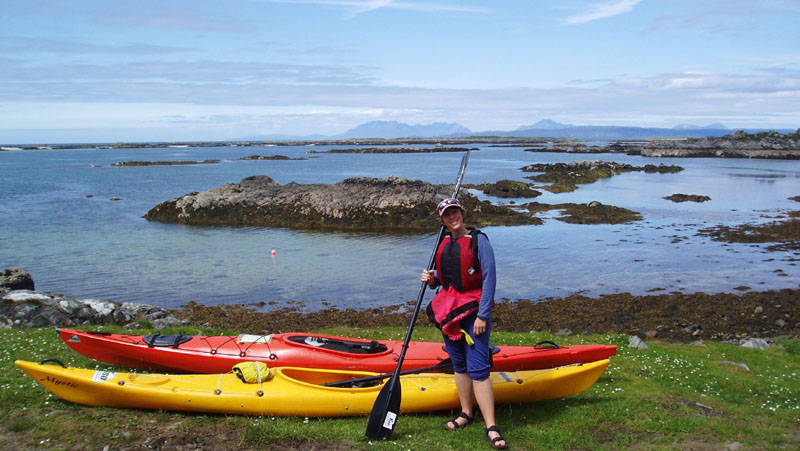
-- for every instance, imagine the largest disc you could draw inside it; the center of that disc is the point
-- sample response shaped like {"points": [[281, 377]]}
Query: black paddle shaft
{"points": [[384, 413], [443, 366]]}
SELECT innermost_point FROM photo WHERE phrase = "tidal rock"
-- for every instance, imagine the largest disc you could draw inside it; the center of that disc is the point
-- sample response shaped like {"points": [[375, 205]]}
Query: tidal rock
{"points": [[687, 198], [392, 205]]}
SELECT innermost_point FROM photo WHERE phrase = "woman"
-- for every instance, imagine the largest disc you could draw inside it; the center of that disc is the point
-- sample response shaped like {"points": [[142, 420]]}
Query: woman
{"points": [[462, 309]]}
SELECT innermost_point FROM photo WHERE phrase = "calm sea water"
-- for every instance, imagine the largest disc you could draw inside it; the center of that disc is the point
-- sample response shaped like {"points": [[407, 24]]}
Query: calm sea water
{"points": [[93, 247]]}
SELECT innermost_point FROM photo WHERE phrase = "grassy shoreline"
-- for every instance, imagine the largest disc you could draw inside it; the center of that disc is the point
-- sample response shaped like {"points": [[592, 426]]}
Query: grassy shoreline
{"points": [[697, 396]]}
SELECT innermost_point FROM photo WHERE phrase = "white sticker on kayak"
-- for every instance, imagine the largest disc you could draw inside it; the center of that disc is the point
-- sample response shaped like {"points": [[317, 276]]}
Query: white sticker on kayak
{"points": [[103, 376], [388, 421]]}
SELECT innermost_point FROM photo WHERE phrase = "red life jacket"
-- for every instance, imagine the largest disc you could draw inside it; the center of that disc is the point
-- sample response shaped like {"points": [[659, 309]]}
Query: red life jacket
{"points": [[457, 262]]}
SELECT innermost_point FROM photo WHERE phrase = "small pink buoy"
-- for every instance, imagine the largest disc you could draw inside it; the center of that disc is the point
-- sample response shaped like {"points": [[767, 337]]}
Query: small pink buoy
{"points": [[274, 252]]}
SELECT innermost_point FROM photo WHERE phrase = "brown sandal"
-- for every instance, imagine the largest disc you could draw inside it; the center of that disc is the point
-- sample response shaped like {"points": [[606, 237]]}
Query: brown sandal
{"points": [[456, 425], [493, 441]]}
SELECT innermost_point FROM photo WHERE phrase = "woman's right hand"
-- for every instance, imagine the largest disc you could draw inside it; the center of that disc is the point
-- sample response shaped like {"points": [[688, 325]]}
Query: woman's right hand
{"points": [[426, 276]]}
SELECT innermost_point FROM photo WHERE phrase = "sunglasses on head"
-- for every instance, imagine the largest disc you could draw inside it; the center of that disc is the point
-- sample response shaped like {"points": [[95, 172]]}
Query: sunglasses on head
{"points": [[448, 203]]}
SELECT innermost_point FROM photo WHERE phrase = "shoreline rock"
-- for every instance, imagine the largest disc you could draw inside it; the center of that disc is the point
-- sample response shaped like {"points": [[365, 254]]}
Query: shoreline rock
{"points": [[26, 308], [21, 307], [16, 279]]}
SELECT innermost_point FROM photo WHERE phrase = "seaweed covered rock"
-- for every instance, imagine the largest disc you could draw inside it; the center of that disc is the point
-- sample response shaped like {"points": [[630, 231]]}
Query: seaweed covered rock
{"points": [[597, 213], [678, 197], [784, 233], [590, 213], [357, 204], [509, 188], [565, 177]]}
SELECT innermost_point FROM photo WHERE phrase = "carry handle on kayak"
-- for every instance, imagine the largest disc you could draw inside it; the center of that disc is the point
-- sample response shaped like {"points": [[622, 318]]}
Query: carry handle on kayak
{"points": [[53, 361], [546, 344]]}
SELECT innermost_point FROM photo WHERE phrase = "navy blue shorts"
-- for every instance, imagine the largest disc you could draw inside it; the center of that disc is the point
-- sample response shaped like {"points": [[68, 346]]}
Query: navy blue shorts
{"points": [[474, 359]]}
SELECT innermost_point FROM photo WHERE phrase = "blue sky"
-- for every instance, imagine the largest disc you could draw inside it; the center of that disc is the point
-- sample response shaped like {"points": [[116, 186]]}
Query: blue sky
{"points": [[173, 70]]}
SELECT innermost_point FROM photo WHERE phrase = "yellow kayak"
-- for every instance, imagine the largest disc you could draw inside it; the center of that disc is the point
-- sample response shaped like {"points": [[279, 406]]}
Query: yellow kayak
{"points": [[297, 391]]}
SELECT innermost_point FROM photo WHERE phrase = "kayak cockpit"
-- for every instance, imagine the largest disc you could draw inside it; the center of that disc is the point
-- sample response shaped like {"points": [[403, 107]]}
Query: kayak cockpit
{"points": [[340, 344], [340, 379]]}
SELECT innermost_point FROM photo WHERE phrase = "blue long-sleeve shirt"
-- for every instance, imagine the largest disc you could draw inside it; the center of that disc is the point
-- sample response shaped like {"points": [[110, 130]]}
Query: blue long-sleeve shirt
{"points": [[486, 257]]}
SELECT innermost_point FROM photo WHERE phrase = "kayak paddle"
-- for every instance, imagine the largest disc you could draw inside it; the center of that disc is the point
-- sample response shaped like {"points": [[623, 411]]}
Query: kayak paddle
{"points": [[384, 413], [442, 366]]}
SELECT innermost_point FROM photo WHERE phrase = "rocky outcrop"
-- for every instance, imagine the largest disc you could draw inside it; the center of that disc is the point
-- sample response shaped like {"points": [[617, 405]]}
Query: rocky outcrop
{"points": [[16, 279], [737, 145], [162, 163], [392, 205], [27, 308]]}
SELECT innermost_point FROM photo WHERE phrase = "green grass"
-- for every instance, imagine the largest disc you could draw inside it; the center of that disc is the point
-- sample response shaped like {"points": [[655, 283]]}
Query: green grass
{"points": [[665, 397]]}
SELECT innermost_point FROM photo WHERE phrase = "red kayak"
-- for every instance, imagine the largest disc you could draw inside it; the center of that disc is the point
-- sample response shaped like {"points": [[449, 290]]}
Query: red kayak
{"points": [[218, 354]]}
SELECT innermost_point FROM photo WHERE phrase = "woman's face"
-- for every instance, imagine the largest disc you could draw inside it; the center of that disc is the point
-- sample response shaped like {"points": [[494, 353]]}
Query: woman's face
{"points": [[453, 219]]}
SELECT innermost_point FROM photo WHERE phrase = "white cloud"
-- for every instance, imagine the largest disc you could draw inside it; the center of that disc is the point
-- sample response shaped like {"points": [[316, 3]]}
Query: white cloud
{"points": [[603, 10], [755, 99], [359, 7], [24, 46]]}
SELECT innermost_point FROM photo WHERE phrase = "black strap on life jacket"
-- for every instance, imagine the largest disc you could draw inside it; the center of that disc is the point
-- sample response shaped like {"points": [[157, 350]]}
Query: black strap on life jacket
{"points": [[474, 245]]}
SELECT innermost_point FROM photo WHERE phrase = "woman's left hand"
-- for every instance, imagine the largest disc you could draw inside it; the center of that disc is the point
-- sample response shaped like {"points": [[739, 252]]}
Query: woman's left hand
{"points": [[479, 327]]}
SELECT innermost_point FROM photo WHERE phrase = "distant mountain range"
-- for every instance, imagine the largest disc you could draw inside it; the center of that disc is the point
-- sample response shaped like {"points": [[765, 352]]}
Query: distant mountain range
{"points": [[545, 128], [394, 129]]}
